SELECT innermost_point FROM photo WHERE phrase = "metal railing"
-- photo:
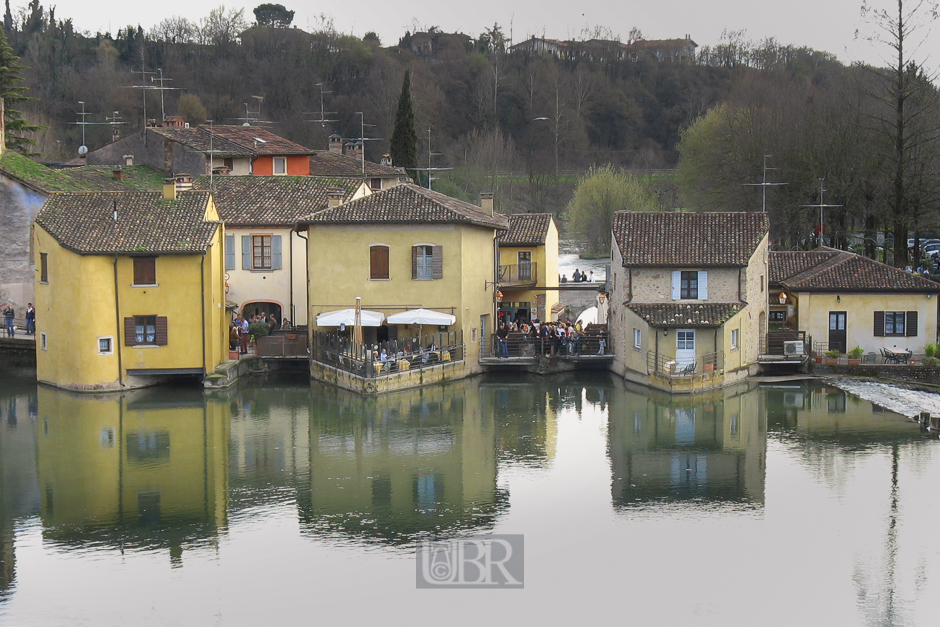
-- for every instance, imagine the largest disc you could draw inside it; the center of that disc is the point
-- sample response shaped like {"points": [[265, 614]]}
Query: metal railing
{"points": [[522, 345], [703, 364], [365, 360], [518, 273], [283, 344], [774, 342]]}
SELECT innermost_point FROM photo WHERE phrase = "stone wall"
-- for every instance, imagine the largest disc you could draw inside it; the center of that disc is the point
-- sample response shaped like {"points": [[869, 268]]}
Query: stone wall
{"points": [[912, 373]]}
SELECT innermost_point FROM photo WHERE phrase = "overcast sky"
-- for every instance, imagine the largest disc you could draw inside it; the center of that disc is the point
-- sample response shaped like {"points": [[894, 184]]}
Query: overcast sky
{"points": [[828, 25]]}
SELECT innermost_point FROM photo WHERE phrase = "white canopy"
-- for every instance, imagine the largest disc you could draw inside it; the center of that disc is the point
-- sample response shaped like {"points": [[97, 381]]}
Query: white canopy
{"points": [[422, 316], [348, 317]]}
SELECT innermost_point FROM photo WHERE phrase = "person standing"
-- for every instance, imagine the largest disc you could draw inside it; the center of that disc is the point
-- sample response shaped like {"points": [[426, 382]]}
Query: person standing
{"points": [[30, 319], [8, 319], [502, 335], [577, 276]]}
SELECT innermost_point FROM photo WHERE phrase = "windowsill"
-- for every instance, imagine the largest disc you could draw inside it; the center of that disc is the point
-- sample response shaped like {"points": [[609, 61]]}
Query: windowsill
{"points": [[637, 349], [423, 278], [145, 285], [380, 279], [44, 282], [105, 354], [262, 270], [734, 350], [145, 346]]}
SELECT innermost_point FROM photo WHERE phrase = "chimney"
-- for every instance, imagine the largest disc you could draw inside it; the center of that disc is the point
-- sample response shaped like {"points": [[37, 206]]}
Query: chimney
{"points": [[387, 160], [354, 149], [128, 160], [486, 203], [336, 143], [169, 189], [184, 182], [335, 197], [118, 173]]}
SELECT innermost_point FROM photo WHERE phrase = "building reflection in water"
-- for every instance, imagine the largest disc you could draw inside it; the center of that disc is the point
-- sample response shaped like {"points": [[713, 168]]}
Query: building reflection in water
{"points": [[699, 448], [136, 470], [525, 414], [401, 466], [19, 494]]}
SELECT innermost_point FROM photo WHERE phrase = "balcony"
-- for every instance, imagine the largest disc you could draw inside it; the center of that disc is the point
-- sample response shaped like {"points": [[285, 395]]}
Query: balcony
{"points": [[518, 275], [363, 360]]}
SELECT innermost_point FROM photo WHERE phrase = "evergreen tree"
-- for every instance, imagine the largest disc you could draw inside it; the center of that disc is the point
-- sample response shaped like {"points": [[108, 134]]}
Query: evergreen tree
{"points": [[12, 92], [404, 149]]}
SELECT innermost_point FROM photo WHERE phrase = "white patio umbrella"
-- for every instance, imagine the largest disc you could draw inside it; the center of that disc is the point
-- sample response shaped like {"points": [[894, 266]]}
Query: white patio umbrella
{"points": [[348, 317], [422, 317]]}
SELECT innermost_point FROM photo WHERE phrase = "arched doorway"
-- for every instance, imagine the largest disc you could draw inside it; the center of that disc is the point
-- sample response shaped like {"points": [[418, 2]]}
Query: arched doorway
{"points": [[257, 308]]}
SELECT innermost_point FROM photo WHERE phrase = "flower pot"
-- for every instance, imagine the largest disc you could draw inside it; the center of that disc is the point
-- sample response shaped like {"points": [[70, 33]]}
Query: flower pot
{"points": [[709, 367], [233, 355], [832, 361], [854, 362]]}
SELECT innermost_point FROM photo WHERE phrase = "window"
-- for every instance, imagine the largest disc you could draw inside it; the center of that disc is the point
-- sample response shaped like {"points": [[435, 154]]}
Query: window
{"points": [[690, 285], [145, 331], [44, 267], [895, 323], [778, 316], [42, 341], [685, 340], [734, 339], [375, 184], [378, 262], [145, 270], [525, 266], [105, 345], [280, 165], [427, 262], [261, 252], [637, 339]]}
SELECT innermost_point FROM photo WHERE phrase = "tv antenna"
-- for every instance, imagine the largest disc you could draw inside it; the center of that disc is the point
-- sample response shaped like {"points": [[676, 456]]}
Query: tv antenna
{"points": [[363, 139], [253, 117], [144, 87], [764, 185], [323, 113], [113, 122], [429, 169], [821, 206]]}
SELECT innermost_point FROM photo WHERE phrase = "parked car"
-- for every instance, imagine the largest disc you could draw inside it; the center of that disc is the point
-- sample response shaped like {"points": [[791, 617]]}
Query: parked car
{"points": [[932, 250]]}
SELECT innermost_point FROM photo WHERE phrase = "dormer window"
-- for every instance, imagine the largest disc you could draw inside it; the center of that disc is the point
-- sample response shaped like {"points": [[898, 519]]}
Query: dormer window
{"points": [[280, 165], [690, 285]]}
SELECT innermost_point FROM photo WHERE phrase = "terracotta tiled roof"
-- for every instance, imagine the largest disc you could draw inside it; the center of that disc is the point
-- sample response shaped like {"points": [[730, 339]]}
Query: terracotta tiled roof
{"points": [[673, 239], [685, 315], [273, 200], [788, 263], [325, 163], [258, 140], [526, 229], [841, 271], [407, 204], [84, 222], [199, 139], [85, 178]]}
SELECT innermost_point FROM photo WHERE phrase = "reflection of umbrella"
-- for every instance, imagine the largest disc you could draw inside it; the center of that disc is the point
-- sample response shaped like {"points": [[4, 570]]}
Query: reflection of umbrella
{"points": [[348, 317], [422, 316]]}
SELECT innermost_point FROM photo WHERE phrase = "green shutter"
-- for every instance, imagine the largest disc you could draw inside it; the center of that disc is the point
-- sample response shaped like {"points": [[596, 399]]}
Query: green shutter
{"points": [[229, 252], [276, 252], [246, 252]]}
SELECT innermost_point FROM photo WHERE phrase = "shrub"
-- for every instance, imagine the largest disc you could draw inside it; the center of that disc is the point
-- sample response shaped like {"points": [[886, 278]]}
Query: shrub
{"points": [[931, 361], [833, 354], [930, 350], [856, 353], [258, 329]]}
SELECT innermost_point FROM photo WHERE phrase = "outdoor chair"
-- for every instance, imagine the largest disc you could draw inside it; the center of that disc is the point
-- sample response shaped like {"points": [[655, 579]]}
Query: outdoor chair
{"points": [[689, 369]]}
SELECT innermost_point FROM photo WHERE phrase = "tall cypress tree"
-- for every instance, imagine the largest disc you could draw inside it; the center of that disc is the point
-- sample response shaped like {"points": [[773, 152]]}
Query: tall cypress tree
{"points": [[404, 149], [12, 92]]}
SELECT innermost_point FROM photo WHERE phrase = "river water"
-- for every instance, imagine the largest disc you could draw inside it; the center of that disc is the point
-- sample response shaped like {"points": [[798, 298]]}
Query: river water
{"points": [[288, 503]]}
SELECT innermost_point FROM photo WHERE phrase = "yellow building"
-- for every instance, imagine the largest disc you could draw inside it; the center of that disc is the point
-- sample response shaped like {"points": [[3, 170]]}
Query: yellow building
{"points": [[688, 302], [130, 288], [843, 300], [400, 249], [528, 267]]}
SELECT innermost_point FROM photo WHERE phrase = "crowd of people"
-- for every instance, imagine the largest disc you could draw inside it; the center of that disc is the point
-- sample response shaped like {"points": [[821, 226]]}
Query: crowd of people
{"points": [[556, 338], [579, 277], [923, 270], [239, 330]]}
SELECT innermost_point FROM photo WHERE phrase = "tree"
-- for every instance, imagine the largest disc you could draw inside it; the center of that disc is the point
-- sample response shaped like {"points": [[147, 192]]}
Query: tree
{"points": [[12, 92], [600, 193], [404, 148], [273, 15], [909, 99], [222, 27]]}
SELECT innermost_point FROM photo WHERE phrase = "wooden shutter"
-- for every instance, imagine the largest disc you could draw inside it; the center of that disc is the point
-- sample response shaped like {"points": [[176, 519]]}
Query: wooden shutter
{"points": [[414, 262], [437, 262], [229, 252], [145, 270], [276, 252], [879, 324], [703, 284], [676, 284], [130, 332], [246, 252], [161, 331], [378, 262], [910, 329]]}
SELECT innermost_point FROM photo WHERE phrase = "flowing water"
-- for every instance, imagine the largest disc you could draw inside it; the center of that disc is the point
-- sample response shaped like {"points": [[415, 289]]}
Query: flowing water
{"points": [[288, 503]]}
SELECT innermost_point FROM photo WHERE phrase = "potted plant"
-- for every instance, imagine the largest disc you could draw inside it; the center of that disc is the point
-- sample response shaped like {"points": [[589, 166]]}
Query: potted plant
{"points": [[855, 356], [832, 357]]}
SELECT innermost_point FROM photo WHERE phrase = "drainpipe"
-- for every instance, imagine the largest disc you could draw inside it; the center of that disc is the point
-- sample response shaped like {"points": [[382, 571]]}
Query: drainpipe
{"points": [[293, 313], [117, 314], [202, 285]]}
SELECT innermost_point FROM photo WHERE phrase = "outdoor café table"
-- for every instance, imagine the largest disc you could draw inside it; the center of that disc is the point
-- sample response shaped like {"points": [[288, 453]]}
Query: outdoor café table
{"points": [[896, 357]]}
